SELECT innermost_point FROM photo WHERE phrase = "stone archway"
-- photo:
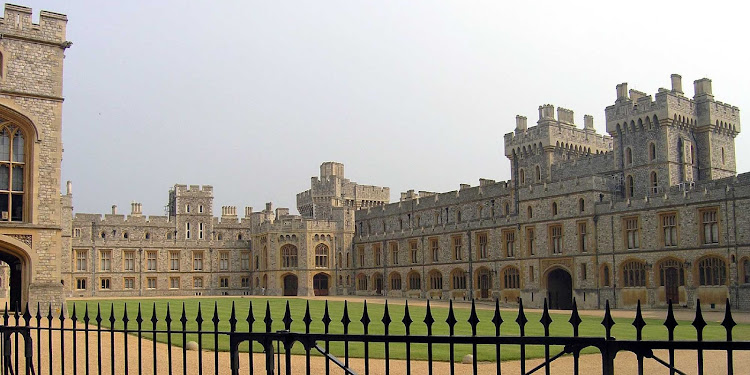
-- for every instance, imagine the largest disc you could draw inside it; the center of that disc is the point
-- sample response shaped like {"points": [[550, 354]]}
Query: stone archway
{"points": [[559, 289], [290, 285], [19, 276]]}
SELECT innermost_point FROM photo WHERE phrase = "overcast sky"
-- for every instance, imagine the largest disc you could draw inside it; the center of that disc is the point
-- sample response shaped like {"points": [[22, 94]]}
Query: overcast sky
{"points": [[251, 96]]}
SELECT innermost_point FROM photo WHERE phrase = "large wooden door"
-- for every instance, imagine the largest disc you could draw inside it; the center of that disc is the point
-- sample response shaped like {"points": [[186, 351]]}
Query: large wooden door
{"points": [[671, 285], [560, 290], [320, 284], [290, 285]]}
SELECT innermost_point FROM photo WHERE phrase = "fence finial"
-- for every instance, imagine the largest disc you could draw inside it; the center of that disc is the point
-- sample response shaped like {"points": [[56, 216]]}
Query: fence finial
{"points": [[473, 318], [639, 323], [608, 322]]}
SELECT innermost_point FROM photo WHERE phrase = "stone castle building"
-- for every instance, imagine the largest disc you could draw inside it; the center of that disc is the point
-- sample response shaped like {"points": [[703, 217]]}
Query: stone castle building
{"points": [[652, 211], [32, 232]]}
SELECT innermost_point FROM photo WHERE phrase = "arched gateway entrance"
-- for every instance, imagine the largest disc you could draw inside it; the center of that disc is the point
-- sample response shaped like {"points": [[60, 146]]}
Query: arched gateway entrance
{"points": [[290, 285], [559, 289], [17, 277]]}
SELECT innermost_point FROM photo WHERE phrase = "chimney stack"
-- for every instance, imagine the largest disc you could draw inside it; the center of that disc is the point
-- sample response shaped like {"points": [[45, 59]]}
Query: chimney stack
{"points": [[677, 84]]}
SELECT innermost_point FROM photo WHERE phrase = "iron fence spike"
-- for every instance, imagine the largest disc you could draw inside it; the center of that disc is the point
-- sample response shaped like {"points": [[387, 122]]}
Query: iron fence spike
{"points": [[699, 323], [287, 317], [608, 322], [638, 322], [407, 317], [728, 321]]}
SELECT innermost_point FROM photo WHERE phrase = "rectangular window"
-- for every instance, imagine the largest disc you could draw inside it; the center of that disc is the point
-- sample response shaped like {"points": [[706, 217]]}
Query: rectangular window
{"points": [[174, 283], [198, 261], [81, 260], [509, 243], [632, 238], [105, 283], [224, 261], [555, 238], [484, 252], [105, 260], [200, 231], [77, 232], [669, 229], [129, 283], [531, 273], [187, 231], [224, 282], [582, 237], [457, 244], [245, 282], [377, 256], [413, 251], [530, 239], [129, 260], [435, 249], [245, 261], [710, 226], [151, 260], [584, 273], [81, 284], [151, 283], [394, 252], [361, 254], [174, 260], [197, 282]]}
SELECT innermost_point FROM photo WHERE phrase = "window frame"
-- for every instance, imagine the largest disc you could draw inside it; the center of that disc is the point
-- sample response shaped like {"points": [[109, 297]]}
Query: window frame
{"points": [[631, 232]]}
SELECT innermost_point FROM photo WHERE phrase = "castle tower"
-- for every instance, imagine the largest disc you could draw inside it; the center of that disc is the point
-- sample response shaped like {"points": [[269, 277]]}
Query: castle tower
{"points": [[191, 208], [671, 139], [31, 235]]}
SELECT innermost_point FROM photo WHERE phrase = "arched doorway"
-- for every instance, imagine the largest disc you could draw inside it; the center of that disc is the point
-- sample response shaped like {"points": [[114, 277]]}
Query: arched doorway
{"points": [[320, 284], [560, 289], [484, 282], [378, 283], [17, 279], [290, 285]]}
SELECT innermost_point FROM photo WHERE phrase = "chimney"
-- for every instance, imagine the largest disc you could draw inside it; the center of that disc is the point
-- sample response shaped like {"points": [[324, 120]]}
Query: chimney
{"points": [[520, 123], [114, 209], [135, 209], [269, 206], [703, 88], [248, 212], [69, 188], [622, 91], [588, 122], [677, 84]]}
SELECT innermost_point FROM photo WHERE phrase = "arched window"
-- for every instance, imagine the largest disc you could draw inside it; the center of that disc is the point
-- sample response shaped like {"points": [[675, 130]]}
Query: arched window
{"points": [[654, 183], [746, 271], [529, 212], [148, 236], [651, 151], [458, 279], [395, 281], [634, 274], [13, 151], [712, 271], [605, 275], [321, 256], [666, 265], [436, 280], [288, 256], [628, 156], [415, 281], [581, 205], [511, 278], [538, 173], [722, 156], [554, 208], [629, 187]]}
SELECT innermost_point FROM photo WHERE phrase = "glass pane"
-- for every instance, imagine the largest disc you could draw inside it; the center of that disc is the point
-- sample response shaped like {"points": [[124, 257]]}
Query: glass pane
{"points": [[18, 147], [17, 204], [17, 178], [4, 145], [4, 177], [4, 206]]}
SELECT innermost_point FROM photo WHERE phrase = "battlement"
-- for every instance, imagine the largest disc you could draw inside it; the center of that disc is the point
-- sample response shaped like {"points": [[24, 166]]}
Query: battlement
{"points": [[17, 23], [193, 190], [116, 219], [564, 187], [634, 109], [586, 165]]}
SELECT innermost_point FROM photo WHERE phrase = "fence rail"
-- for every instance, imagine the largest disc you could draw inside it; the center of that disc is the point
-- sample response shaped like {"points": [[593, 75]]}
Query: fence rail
{"points": [[37, 344]]}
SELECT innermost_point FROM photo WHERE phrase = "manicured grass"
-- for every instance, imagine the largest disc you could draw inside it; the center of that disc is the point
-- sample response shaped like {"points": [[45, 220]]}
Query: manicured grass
{"points": [[591, 326]]}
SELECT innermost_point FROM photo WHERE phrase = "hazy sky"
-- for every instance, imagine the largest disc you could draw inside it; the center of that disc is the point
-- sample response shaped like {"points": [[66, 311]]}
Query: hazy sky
{"points": [[251, 96]]}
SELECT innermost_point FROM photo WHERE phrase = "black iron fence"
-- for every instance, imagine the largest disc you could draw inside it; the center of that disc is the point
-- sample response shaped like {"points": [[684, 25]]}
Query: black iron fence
{"points": [[42, 344]]}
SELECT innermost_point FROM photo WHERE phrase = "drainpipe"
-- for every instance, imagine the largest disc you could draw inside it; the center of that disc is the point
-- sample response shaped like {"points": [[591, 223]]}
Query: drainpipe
{"points": [[471, 266], [596, 260], [614, 266]]}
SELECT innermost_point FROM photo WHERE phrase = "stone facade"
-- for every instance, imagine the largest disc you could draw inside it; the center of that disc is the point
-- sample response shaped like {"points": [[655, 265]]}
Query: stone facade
{"points": [[652, 212], [31, 226], [190, 252]]}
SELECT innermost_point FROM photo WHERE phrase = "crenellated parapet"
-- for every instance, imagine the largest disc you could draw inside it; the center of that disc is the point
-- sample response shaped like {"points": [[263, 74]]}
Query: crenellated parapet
{"points": [[17, 23]]}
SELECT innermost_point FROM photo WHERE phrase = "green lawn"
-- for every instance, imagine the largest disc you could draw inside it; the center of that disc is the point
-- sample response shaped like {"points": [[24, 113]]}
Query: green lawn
{"points": [[590, 326]]}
